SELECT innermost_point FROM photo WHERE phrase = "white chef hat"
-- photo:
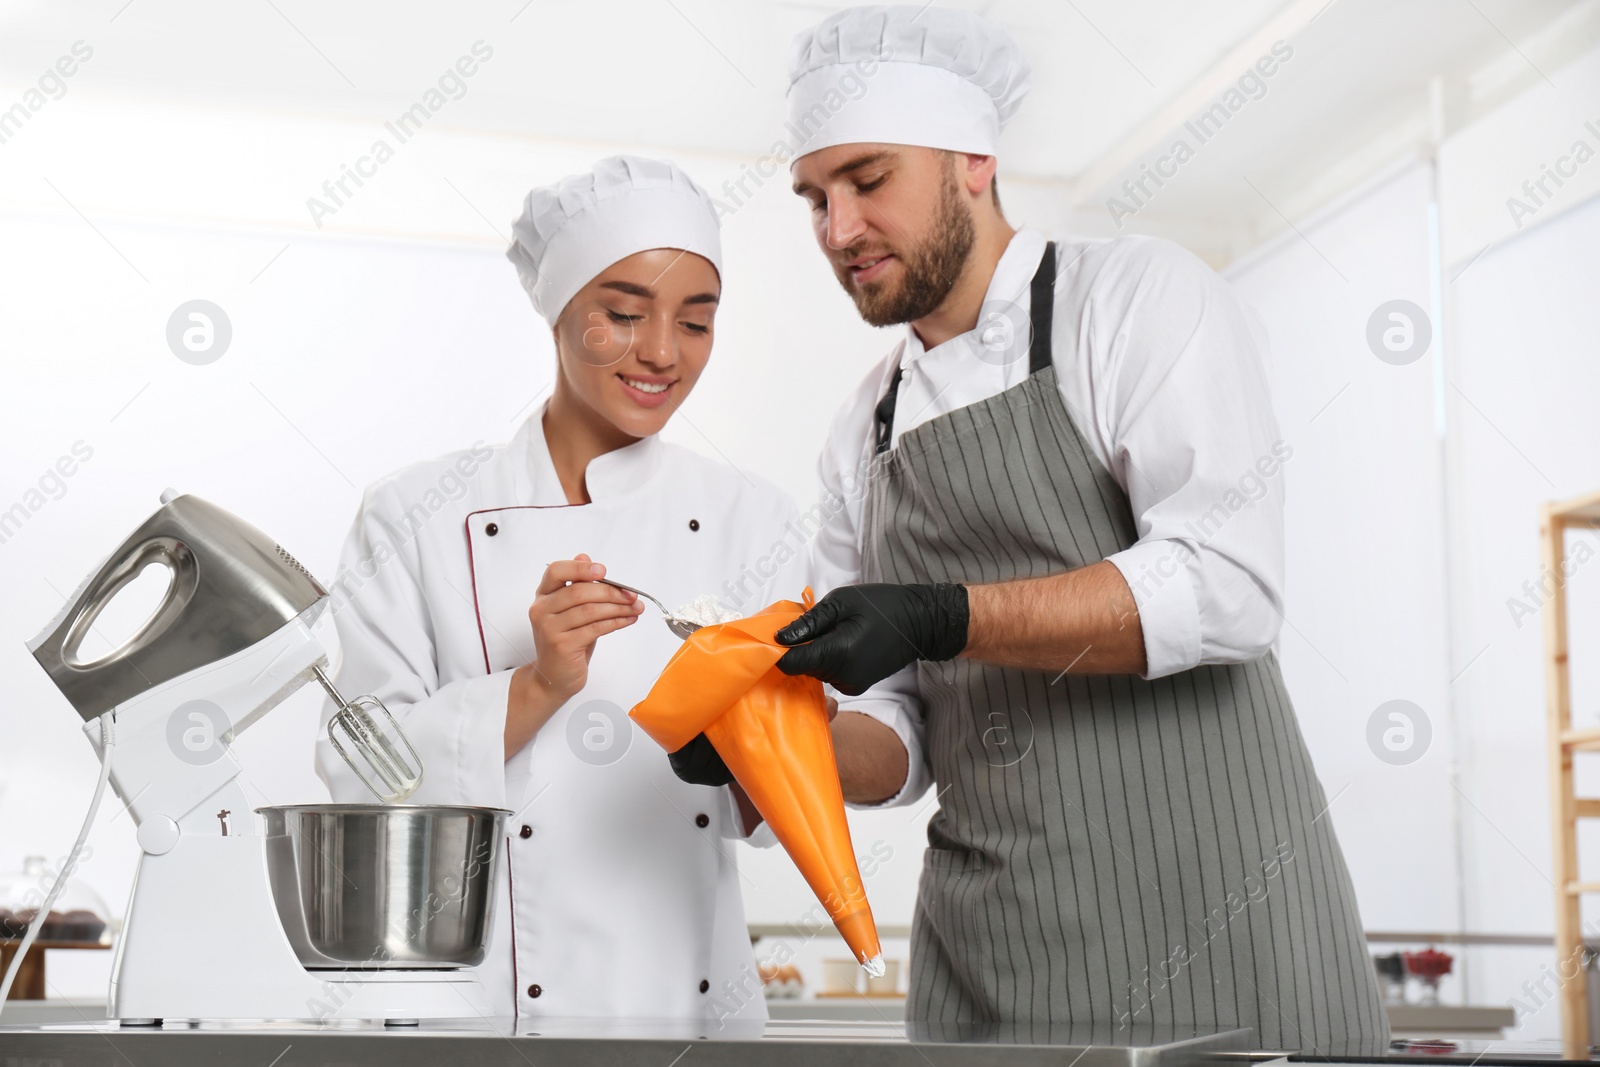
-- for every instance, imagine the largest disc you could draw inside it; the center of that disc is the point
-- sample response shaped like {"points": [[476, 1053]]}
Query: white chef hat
{"points": [[904, 75], [571, 231]]}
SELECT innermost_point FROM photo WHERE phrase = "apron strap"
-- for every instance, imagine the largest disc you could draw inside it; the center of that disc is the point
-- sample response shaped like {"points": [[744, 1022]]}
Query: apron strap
{"points": [[1041, 318], [1042, 311], [885, 413]]}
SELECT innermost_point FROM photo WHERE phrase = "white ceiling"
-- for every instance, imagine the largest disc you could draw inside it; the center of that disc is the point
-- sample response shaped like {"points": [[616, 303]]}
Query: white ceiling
{"points": [[702, 74], [1356, 97], [1113, 78]]}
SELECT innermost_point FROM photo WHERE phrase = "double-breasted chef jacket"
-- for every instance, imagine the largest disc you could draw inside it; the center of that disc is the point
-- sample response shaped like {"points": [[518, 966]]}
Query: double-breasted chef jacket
{"points": [[621, 896]]}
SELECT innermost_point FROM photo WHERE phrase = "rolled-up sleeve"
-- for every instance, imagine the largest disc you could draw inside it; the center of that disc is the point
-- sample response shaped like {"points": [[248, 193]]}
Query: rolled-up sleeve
{"points": [[1181, 400], [385, 634]]}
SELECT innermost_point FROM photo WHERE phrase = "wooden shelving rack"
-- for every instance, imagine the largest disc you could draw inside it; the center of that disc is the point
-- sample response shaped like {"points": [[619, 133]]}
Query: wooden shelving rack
{"points": [[1566, 806]]}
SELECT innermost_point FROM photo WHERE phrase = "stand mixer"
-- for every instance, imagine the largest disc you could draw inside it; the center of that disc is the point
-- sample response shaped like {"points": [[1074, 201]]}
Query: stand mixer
{"points": [[232, 916]]}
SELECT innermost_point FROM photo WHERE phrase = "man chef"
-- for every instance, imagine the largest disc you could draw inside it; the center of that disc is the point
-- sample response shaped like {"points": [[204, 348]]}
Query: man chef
{"points": [[1055, 556]]}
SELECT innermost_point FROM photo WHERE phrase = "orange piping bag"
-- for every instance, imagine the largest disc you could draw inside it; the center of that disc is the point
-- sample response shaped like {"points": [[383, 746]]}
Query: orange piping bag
{"points": [[772, 732]]}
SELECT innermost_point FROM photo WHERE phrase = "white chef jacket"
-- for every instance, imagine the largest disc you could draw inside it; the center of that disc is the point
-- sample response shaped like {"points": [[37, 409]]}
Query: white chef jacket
{"points": [[1163, 373], [620, 897]]}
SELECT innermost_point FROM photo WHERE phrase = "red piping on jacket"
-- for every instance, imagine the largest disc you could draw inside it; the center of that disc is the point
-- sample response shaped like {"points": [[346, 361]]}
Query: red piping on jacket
{"points": [[472, 569]]}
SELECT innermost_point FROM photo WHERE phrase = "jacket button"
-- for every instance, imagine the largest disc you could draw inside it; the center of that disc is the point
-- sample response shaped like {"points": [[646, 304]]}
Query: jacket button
{"points": [[535, 990], [705, 986], [702, 820], [526, 832], [492, 529], [694, 524]]}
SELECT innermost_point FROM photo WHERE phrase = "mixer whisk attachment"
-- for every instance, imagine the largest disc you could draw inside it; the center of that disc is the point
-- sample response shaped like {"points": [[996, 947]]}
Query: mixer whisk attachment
{"points": [[372, 734]]}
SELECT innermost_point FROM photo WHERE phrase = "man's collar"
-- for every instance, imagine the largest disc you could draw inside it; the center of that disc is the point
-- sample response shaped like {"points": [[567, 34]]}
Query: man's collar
{"points": [[1005, 302]]}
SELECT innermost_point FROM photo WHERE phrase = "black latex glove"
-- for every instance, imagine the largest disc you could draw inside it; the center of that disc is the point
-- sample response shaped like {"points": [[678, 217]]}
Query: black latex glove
{"points": [[861, 634], [699, 763]]}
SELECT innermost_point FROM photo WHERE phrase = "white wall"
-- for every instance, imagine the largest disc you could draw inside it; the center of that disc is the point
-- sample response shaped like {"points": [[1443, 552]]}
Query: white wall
{"points": [[1512, 385], [1528, 325]]}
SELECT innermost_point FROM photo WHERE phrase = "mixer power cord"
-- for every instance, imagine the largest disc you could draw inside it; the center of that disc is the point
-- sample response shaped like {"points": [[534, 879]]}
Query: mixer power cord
{"points": [[108, 741]]}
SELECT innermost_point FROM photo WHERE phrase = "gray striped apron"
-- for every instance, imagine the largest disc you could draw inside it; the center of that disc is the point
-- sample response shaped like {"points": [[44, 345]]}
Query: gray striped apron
{"points": [[1111, 856]]}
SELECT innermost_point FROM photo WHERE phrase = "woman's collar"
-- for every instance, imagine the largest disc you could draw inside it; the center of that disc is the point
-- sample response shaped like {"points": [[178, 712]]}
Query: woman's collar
{"points": [[612, 474]]}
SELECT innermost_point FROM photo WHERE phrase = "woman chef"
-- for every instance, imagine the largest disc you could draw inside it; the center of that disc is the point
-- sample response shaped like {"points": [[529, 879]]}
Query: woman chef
{"points": [[513, 674]]}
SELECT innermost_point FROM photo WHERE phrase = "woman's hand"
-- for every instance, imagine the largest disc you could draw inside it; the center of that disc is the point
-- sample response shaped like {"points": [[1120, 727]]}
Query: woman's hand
{"points": [[570, 612]]}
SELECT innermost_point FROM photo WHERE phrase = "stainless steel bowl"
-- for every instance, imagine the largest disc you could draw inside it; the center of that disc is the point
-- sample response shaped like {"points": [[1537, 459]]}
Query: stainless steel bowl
{"points": [[384, 886]]}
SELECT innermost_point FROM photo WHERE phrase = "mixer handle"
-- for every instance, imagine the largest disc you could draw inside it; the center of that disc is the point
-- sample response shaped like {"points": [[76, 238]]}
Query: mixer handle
{"points": [[231, 587], [183, 577]]}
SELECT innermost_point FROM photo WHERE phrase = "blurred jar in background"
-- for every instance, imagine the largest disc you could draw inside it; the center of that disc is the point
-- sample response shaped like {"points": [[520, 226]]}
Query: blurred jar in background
{"points": [[79, 914]]}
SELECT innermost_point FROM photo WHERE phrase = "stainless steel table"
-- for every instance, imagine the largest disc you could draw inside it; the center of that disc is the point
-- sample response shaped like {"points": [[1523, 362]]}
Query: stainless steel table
{"points": [[588, 1043]]}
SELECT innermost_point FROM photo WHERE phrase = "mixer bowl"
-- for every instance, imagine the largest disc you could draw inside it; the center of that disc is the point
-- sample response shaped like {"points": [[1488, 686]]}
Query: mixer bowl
{"points": [[384, 887]]}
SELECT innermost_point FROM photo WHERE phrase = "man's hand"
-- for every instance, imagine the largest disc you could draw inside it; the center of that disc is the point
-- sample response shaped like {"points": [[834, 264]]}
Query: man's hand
{"points": [[698, 762], [860, 634]]}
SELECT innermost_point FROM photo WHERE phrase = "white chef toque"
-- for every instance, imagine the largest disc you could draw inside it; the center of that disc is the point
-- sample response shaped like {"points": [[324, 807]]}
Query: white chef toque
{"points": [[909, 75], [571, 231]]}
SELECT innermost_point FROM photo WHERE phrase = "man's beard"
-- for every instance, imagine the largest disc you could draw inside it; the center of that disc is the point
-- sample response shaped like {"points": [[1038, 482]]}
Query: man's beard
{"points": [[931, 266]]}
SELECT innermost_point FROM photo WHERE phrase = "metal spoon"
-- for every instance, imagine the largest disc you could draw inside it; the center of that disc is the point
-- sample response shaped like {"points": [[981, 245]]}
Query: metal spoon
{"points": [[681, 627]]}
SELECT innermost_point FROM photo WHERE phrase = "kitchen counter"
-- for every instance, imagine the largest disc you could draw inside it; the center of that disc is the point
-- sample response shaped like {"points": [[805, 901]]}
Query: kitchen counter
{"points": [[1450, 1021], [67, 1034], [586, 1043]]}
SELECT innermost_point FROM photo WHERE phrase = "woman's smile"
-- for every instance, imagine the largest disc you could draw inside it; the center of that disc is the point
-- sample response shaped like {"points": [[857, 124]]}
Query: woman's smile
{"points": [[647, 390]]}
